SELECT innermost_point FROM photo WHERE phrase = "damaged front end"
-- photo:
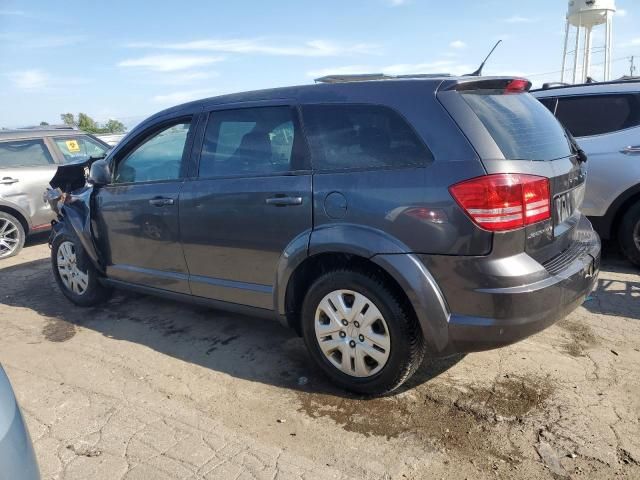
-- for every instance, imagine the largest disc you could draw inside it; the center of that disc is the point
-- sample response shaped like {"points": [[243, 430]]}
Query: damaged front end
{"points": [[71, 198]]}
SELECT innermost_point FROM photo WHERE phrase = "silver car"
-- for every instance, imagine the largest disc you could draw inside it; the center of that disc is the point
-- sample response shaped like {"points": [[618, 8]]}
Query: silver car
{"points": [[28, 160], [17, 458], [605, 119]]}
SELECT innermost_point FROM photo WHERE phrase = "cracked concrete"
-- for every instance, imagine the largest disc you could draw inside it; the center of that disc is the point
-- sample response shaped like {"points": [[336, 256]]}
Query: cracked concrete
{"points": [[143, 388]]}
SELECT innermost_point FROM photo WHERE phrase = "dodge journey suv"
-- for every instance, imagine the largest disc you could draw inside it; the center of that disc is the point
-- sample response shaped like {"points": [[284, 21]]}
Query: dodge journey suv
{"points": [[379, 219]]}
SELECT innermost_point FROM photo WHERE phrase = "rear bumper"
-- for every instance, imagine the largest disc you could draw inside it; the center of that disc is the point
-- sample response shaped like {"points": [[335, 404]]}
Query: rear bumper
{"points": [[539, 295]]}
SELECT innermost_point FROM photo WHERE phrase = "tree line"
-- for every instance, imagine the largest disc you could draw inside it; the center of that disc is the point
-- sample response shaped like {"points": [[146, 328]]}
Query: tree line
{"points": [[87, 124]]}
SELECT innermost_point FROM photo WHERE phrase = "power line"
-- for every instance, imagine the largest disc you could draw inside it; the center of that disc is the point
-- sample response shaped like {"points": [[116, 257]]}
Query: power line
{"points": [[594, 64]]}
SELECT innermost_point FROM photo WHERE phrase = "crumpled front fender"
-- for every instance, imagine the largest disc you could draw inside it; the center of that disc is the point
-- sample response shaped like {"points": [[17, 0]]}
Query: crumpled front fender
{"points": [[75, 220]]}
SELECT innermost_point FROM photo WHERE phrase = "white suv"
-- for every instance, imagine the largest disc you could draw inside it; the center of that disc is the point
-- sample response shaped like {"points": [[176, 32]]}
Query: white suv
{"points": [[605, 119]]}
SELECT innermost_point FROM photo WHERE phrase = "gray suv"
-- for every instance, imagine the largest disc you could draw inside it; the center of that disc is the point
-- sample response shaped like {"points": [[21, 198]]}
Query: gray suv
{"points": [[605, 119], [28, 159], [378, 219]]}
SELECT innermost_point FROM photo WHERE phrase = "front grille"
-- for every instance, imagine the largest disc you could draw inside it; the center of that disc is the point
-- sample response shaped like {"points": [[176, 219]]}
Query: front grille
{"points": [[583, 243]]}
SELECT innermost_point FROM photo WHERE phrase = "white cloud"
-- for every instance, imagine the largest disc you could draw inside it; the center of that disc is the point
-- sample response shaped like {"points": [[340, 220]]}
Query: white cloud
{"points": [[397, 3], [170, 63], [29, 79], [175, 98], [313, 48], [621, 12], [519, 19], [458, 44]]}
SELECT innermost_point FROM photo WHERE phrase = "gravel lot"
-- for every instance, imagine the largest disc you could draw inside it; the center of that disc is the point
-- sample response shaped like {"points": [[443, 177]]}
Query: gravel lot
{"points": [[143, 388]]}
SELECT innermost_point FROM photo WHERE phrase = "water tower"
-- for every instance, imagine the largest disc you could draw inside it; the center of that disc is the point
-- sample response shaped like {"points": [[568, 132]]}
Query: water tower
{"points": [[584, 15]]}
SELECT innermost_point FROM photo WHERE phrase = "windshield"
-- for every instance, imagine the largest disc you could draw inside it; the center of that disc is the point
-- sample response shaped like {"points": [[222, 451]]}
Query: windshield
{"points": [[79, 148], [522, 127]]}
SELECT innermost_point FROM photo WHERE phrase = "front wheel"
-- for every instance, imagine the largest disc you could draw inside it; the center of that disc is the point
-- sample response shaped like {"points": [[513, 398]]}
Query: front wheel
{"points": [[360, 332], [74, 273], [629, 234]]}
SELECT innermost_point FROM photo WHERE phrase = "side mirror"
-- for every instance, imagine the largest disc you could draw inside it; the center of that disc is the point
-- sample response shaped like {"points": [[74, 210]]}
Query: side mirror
{"points": [[99, 173]]}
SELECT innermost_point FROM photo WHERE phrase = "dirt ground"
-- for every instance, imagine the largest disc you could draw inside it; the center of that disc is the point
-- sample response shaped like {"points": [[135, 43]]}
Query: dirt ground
{"points": [[143, 388]]}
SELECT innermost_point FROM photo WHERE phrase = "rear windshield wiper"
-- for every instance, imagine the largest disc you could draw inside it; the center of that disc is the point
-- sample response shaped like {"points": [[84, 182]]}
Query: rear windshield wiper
{"points": [[580, 154]]}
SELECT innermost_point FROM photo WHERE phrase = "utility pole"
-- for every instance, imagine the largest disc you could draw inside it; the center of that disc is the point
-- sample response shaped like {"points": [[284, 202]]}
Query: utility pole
{"points": [[632, 67]]}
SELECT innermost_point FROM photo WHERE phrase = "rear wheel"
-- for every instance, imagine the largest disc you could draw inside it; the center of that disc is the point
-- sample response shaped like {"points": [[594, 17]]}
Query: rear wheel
{"points": [[629, 234], [75, 275], [360, 332], [12, 235]]}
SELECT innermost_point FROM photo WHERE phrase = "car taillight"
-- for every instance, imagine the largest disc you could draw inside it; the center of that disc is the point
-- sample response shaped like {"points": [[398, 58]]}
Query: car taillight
{"points": [[504, 201]]}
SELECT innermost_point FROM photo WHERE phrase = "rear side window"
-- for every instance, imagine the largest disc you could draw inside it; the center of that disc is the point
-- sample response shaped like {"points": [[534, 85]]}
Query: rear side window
{"points": [[597, 114], [361, 136], [24, 153], [520, 125], [251, 141], [79, 148]]}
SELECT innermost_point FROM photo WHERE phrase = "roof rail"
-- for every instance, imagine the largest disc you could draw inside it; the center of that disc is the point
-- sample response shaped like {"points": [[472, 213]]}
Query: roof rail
{"points": [[624, 79], [364, 77], [49, 127]]}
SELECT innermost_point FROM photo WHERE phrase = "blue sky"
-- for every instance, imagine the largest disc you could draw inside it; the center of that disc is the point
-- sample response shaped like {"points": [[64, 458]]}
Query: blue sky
{"points": [[127, 60]]}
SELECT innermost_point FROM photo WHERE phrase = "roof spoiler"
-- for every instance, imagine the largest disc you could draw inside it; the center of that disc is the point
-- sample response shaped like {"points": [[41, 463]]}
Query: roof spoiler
{"points": [[506, 85]]}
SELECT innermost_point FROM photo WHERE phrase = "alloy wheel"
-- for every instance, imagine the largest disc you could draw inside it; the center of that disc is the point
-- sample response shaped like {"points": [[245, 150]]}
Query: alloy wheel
{"points": [[74, 279], [352, 333], [9, 237]]}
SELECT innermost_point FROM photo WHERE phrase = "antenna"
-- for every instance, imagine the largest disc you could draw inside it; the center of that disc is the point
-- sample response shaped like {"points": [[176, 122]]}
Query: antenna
{"points": [[478, 72]]}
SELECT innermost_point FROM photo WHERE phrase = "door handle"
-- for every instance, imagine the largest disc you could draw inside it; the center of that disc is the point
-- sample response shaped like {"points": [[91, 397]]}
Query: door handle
{"points": [[8, 181], [631, 150], [283, 201], [161, 201]]}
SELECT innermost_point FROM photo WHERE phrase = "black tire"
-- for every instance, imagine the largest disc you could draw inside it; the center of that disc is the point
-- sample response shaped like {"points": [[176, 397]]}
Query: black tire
{"points": [[18, 235], [629, 234], [95, 293], [407, 342]]}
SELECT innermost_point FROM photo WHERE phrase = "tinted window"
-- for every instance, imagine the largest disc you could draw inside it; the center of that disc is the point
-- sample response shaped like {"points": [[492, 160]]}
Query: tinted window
{"points": [[550, 103], [520, 125], [79, 148], [598, 114], [24, 153], [251, 141], [158, 158], [361, 136]]}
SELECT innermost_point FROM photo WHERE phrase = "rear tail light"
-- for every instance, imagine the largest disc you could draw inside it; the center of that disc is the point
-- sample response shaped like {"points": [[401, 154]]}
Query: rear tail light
{"points": [[504, 201]]}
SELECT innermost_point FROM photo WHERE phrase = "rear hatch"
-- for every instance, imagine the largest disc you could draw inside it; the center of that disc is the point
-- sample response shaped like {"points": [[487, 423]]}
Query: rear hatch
{"points": [[519, 140]]}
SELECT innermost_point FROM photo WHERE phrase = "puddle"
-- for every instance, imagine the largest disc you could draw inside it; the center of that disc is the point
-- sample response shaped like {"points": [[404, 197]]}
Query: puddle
{"points": [[58, 330], [469, 421]]}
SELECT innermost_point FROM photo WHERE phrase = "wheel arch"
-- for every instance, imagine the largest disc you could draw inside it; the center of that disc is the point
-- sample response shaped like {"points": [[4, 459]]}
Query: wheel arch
{"points": [[607, 226], [19, 215], [366, 250]]}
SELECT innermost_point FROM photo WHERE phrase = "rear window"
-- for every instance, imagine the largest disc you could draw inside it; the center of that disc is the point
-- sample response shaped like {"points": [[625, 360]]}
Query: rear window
{"points": [[79, 148], [361, 136], [24, 153], [520, 125], [597, 114]]}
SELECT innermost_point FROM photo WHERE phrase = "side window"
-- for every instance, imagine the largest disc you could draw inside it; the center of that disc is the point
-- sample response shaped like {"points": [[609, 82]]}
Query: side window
{"points": [[79, 148], [24, 153], [158, 158], [361, 136], [597, 114], [550, 103], [251, 141]]}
